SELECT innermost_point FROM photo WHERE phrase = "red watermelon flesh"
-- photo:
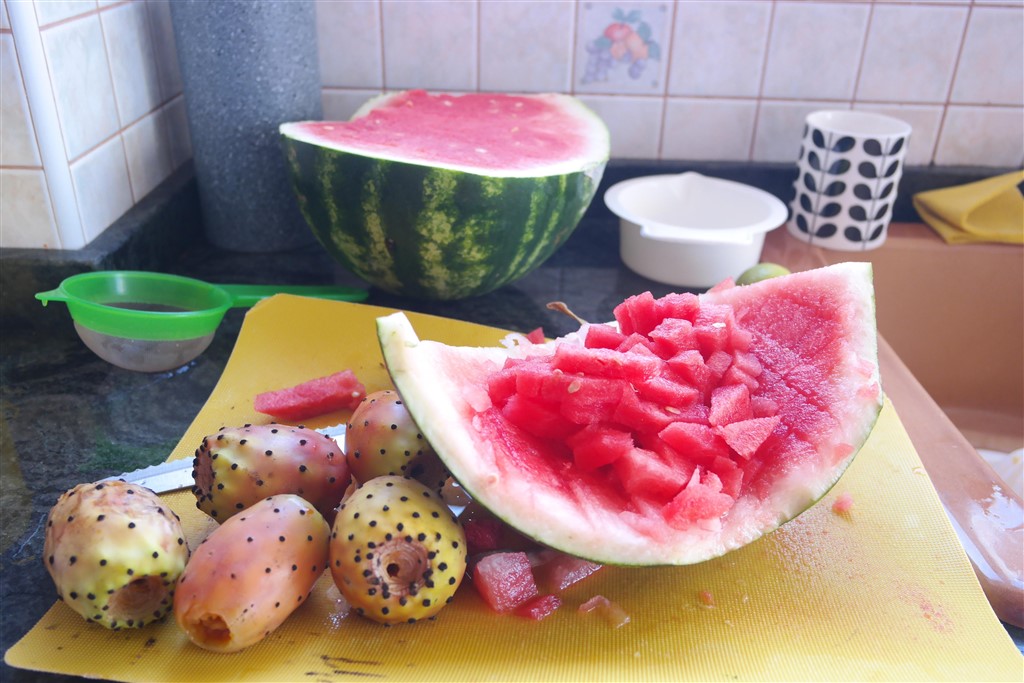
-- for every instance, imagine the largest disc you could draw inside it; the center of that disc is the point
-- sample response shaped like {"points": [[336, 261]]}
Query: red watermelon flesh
{"points": [[714, 419], [497, 134]]}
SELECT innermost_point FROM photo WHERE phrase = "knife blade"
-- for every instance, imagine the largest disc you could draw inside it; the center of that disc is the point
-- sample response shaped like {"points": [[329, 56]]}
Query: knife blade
{"points": [[177, 474]]}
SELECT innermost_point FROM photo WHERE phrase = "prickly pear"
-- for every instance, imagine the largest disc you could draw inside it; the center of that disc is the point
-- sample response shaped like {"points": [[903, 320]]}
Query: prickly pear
{"points": [[397, 553], [382, 439], [238, 466], [251, 572], [114, 552]]}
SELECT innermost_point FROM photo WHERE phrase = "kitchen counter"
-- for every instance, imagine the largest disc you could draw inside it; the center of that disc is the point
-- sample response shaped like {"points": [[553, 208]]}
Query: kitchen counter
{"points": [[70, 417]]}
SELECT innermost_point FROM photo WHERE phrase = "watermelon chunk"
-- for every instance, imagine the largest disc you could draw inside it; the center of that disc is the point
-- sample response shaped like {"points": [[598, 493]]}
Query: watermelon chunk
{"points": [[315, 397], [505, 580], [726, 461]]}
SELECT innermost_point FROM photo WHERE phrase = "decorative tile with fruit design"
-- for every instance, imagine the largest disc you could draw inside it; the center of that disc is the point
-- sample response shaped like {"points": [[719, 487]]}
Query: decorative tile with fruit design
{"points": [[622, 47]]}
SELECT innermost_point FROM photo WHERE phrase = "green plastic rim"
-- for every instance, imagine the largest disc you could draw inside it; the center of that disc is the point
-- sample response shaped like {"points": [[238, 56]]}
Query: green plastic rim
{"points": [[142, 305]]}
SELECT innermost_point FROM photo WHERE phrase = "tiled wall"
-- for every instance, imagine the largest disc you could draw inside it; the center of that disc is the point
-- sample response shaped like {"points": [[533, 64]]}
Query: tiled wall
{"points": [[684, 79], [93, 116]]}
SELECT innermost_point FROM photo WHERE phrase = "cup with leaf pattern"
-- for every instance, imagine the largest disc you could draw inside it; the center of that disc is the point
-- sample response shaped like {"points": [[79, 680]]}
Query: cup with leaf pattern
{"points": [[850, 165]]}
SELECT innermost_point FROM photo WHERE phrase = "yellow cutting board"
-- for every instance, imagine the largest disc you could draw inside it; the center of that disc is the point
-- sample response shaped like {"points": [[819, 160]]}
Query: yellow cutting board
{"points": [[884, 592]]}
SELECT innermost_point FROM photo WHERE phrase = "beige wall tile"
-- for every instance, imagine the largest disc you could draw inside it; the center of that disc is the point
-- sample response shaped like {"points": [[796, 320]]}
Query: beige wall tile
{"points": [[147, 150], [910, 53], [780, 126], [982, 136], [349, 43], [26, 219], [526, 46], [430, 45], [622, 47], [132, 61], [49, 11], [80, 77], [634, 124], [17, 134], [102, 187], [718, 48], [992, 64], [814, 50], [708, 129]]}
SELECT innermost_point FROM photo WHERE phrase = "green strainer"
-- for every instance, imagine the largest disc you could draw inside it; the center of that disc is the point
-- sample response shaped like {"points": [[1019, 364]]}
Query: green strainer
{"points": [[152, 322]]}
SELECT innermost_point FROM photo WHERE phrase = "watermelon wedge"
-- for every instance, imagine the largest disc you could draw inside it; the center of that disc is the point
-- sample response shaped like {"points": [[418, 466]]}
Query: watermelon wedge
{"points": [[690, 428], [442, 196]]}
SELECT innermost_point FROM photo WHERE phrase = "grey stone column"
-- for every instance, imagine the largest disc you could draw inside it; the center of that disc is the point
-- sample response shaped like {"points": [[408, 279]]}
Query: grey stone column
{"points": [[247, 66]]}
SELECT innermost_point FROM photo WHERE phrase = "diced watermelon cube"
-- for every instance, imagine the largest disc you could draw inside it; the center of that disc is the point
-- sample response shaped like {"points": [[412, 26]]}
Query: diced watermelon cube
{"points": [[588, 400], [556, 571], [642, 416], [537, 418], [501, 385], [718, 362], [683, 306], [603, 337], [536, 335], [729, 473], [315, 397], [638, 314], [672, 336], [667, 393], [643, 473], [637, 343], [634, 367], [694, 442], [701, 500], [735, 375], [746, 436], [598, 445], [484, 534], [730, 403], [504, 580], [691, 368], [539, 607]]}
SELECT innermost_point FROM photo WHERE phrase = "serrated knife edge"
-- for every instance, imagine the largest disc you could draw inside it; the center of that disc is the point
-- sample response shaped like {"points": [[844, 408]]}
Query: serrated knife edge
{"points": [[177, 474]]}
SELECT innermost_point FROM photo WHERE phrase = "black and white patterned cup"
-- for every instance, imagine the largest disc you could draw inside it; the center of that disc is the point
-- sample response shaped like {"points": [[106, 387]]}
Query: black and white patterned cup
{"points": [[850, 166]]}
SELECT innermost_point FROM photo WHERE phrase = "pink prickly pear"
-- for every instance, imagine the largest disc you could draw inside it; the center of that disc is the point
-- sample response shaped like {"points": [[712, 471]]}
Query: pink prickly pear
{"points": [[238, 466], [251, 572], [114, 552]]}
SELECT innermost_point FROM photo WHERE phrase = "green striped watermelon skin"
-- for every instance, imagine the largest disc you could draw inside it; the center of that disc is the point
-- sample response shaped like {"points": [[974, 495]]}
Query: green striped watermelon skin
{"points": [[434, 233]]}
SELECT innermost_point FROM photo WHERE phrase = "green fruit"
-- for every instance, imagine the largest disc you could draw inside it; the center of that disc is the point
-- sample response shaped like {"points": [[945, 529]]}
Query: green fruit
{"points": [[442, 197], [761, 271]]}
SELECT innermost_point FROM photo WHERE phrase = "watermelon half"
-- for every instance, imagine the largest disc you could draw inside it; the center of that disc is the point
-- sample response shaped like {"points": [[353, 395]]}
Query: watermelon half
{"points": [[443, 196], [689, 428]]}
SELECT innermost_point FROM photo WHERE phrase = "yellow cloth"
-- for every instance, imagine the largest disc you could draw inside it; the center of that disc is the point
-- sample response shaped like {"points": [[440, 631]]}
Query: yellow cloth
{"points": [[990, 210]]}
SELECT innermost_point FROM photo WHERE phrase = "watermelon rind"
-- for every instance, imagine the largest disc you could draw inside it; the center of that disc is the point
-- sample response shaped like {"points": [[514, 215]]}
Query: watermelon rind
{"points": [[444, 388], [429, 229]]}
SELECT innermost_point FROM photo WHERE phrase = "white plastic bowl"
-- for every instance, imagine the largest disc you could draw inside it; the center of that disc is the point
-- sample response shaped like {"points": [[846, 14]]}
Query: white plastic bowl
{"points": [[691, 230]]}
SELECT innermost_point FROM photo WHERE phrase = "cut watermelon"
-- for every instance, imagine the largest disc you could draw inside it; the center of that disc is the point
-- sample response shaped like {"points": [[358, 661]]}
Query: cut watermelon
{"points": [[623, 475], [339, 391], [442, 196]]}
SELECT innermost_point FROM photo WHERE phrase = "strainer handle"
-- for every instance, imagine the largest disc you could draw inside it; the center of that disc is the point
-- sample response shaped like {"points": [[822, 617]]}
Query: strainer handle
{"points": [[243, 296]]}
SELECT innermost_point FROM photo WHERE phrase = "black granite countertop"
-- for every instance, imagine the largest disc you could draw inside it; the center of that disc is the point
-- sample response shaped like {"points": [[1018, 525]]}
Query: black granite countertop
{"points": [[69, 417]]}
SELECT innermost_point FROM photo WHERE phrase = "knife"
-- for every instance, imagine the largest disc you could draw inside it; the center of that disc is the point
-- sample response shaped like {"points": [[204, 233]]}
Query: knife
{"points": [[177, 474]]}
